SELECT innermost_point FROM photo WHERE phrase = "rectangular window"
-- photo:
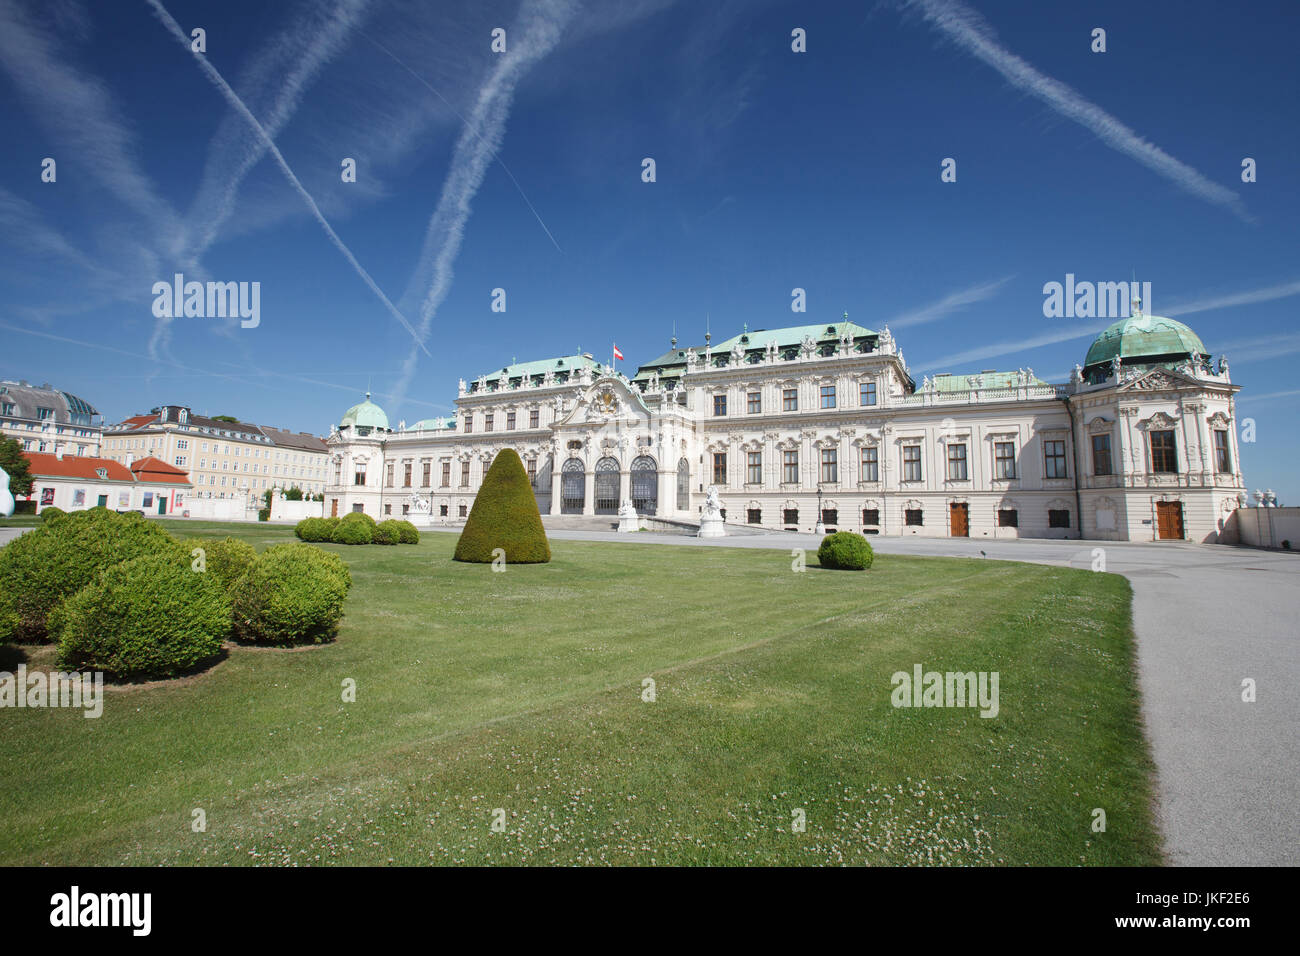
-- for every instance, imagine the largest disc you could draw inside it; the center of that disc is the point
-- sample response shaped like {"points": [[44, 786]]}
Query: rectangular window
{"points": [[754, 474], [388, 475], [9, 408], [461, 511], [510, 421], [180, 461], [428, 474], [534, 416], [912, 517], [911, 462], [358, 477], [720, 468], [388, 509], [1004, 459], [790, 516], [755, 403], [532, 471], [1054, 459], [719, 405], [1101, 455], [956, 462], [487, 422], [469, 424], [871, 517], [1164, 457], [754, 516], [406, 474], [464, 474], [446, 474], [182, 444], [442, 511], [790, 400], [44, 414], [1222, 456], [830, 517], [868, 393], [828, 396], [1058, 518], [870, 464], [830, 465], [790, 467], [1008, 518]]}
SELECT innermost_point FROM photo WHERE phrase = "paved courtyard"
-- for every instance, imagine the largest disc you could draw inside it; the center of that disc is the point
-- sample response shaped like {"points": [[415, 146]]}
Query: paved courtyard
{"points": [[1206, 618]]}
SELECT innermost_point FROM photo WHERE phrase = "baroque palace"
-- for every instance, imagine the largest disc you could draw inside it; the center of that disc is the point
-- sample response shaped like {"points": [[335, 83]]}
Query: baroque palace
{"points": [[823, 424]]}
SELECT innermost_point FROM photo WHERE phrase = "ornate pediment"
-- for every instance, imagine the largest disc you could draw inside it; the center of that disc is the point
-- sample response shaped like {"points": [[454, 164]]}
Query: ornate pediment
{"points": [[606, 400], [1158, 420], [1099, 425], [1159, 379], [1219, 420]]}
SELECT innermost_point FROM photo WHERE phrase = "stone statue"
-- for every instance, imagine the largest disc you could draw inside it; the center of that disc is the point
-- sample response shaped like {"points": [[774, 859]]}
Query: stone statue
{"points": [[1076, 376], [1115, 364], [711, 524], [6, 496], [418, 504], [1223, 365]]}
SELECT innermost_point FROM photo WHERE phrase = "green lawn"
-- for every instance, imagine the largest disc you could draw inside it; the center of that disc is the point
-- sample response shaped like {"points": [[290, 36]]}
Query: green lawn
{"points": [[522, 691]]}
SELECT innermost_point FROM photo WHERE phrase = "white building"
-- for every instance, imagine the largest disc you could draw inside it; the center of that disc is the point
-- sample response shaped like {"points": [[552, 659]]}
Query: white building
{"points": [[824, 421], [47, 420], [75, 483]]}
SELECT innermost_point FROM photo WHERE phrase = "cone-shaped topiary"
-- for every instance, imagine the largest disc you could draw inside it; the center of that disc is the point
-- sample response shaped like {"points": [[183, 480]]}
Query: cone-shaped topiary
{"points": [[504, 516]]}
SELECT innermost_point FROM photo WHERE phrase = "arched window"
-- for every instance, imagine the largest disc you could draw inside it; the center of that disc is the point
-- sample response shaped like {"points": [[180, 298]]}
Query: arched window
{"points": [[683, 485], [607, 487], [645, 485], [573, 491], [542, 486]]}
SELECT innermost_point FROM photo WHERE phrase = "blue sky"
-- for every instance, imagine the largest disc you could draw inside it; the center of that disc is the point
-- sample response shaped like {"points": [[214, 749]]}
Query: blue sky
{"points": [[523, 171]]}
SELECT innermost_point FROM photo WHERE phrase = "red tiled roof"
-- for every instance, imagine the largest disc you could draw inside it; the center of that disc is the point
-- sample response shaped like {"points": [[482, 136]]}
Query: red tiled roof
{"points": [[44, 465], [154, 469], [140, 420]]}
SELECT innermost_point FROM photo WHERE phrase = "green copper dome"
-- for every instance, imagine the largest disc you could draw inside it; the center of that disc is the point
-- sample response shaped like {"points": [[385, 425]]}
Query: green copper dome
{"points": [[365, 415], [1152, 338]]}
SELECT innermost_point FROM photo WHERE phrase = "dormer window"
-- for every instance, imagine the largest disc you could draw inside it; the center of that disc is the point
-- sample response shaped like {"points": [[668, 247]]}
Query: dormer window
{"points": [[101, 472]]}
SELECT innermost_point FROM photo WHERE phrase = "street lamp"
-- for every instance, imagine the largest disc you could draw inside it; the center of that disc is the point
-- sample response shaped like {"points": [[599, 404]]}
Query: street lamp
{"points": [[821, 525]]}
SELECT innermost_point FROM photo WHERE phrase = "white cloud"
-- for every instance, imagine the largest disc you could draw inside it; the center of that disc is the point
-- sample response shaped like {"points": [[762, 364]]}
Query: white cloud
{"points": [[1206, 304], [948, 304]]}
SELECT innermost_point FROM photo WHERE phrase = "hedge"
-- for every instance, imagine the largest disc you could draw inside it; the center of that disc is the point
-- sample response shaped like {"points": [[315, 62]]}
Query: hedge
{"points": [[353, 532], [845, 551], [385, 533], [504, 516], [291, 594], [8, 618], [312, 529], [147, 617], [407, 533], [58, 558], [50, 512], [226, 559]]}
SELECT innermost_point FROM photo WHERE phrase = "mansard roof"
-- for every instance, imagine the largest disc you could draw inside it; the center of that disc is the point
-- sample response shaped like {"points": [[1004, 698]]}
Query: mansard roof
{"points": [[945, 382], [562, 365]]}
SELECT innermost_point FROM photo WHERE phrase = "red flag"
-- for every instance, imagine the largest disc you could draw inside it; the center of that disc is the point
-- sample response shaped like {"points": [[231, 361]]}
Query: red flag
{"points": [[617, 354]]}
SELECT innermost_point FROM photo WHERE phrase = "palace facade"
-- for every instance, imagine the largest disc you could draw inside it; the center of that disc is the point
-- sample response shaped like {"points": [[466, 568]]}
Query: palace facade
{"points": [[823, 424]]}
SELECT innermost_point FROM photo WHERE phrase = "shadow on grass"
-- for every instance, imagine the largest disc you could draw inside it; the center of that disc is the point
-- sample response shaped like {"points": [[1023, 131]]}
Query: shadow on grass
{"points": [[11, 655]]}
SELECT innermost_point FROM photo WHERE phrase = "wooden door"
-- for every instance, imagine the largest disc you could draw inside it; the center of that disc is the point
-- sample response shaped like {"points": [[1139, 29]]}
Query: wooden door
{"points": [[960, 523], [334, 507], [1169, 520]]}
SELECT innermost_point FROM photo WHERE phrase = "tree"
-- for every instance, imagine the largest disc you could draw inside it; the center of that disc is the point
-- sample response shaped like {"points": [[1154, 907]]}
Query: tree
{"points": [[504, 517], [293, 494], [225, 418], [19, 469]]}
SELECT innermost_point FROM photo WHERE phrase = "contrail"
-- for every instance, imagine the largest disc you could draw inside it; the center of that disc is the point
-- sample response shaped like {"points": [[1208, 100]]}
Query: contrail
{"points": [[996, 349], [949, 303], [972, 33], [210, 71], [495, 155], [1268, 294], [531, 41], [326, 41]]}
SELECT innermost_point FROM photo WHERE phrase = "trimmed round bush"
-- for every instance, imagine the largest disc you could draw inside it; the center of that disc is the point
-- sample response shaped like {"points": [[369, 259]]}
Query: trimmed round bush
{"points": [[291, 594], [315, 529], [50, 513], [8, 618], [225, 558], [57, 559], [386, 533], [147, 617], [353, 532], [359, 516], [407, 533], [504, 516], [845, 551]]}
